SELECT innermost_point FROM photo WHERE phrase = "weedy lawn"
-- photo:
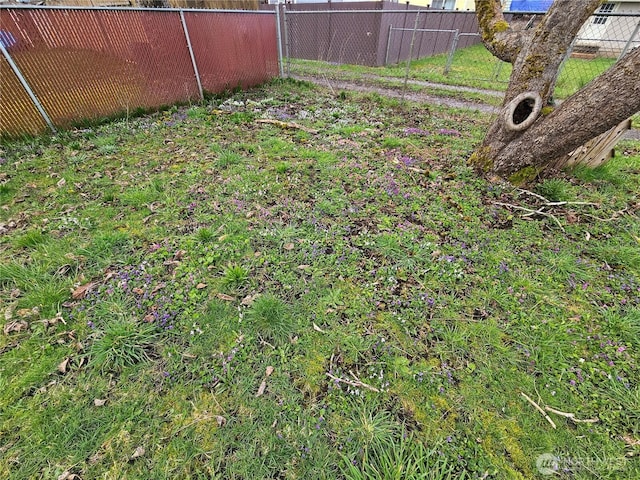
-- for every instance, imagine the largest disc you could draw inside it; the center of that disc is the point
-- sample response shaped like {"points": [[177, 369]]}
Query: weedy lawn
{"points": [[299, 283]]}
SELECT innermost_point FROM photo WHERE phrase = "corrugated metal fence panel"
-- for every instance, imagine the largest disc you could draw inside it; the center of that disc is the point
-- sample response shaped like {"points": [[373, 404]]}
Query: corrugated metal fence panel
{"points": [[87, 64], [233, 49], [18, 114]]}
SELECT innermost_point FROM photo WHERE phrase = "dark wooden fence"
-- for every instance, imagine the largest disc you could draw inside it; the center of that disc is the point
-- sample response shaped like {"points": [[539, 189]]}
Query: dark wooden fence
{"points": [[372, 33]]}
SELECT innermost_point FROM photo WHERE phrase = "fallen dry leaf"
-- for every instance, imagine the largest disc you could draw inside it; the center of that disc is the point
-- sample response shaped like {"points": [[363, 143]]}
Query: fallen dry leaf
{"points": [[99, 402], [82, 290], [28, 312], [67, 475], [220, 420], [269, 370], [261, 388], [317, 328], [15, 327], [62, 366], [629, 440], [139, 452], [248, 300], [201, 285], [138, 291], [49, 322], [289, 246], [61, 183], [225, 297]]}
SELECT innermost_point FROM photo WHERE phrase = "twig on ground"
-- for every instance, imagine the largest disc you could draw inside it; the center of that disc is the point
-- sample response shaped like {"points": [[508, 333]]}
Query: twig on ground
{"points": [[527, 192], [329, 84], [531, 211], [287, 125], [613, 217], [539, 408], [353, 383], [571, 416]]}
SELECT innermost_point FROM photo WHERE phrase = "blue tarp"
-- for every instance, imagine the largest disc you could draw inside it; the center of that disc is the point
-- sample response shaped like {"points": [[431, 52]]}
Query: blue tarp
{"points": [[530, 5]]}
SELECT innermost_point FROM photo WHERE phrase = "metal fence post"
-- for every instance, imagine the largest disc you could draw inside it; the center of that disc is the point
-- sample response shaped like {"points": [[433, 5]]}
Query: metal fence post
{"points": [[630, 41], [386, 55], [286, 39], [193, 58], [413, 39], [27, 88], [454, 47], [279, 40]]}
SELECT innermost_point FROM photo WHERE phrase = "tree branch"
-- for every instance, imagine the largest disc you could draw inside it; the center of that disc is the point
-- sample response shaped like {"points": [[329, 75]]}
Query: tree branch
{"points": [[497, 35]]}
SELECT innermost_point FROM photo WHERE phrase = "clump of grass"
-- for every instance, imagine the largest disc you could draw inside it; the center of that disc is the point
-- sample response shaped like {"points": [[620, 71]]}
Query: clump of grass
{"points": [[370, 428], [205, 235], [282, 167], [271, 318], [554, 190], [121, 344], [403, 459], [235, 276], [227, 158], [31, 239]]}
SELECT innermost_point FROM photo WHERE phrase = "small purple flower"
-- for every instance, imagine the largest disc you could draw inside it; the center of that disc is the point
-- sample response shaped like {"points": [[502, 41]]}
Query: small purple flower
{"points": [[416, 131], [449, 132]]}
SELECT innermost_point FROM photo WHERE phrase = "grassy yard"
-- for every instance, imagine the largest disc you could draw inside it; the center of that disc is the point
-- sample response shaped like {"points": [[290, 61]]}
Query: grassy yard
{"points": [[471, 67], [296, 283]]}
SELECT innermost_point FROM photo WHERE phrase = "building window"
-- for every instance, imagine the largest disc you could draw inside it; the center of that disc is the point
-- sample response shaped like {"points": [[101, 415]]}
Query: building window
{"points": [[443, 4], [604, 8]]}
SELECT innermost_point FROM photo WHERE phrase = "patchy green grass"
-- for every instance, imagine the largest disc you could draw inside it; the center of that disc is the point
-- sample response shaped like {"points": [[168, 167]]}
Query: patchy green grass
{"points": [[198, 294], [472, 67]]}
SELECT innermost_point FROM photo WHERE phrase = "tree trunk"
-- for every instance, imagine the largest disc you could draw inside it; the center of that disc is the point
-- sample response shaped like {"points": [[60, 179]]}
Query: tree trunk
{"points": [[530, 133]]}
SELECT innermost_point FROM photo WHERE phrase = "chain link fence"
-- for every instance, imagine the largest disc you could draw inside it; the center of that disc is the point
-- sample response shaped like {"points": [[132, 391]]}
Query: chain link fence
{"points": [[64, 65], [437, 46]]}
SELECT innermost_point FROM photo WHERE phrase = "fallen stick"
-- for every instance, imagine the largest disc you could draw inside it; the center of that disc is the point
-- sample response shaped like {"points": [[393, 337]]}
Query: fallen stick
{"points": [[356, 383], [571, 416], [531, 211], [539, 408], [287, 125]]}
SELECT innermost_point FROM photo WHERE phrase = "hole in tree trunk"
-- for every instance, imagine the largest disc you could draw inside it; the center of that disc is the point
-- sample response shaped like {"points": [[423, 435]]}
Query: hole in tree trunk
{"points": [[522, 111]]}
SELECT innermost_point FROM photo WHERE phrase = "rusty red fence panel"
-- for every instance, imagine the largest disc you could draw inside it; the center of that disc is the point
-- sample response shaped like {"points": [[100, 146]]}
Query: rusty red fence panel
{"points": [[86, 63], [18, 114], [233, 49]]}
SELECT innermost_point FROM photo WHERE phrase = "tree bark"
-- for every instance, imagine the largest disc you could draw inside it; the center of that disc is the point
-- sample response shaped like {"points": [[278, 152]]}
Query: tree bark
{"points": [[530, 133]]}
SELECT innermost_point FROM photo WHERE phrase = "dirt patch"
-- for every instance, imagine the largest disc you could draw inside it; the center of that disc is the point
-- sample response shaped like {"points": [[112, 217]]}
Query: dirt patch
{"points": [[397, 92]]}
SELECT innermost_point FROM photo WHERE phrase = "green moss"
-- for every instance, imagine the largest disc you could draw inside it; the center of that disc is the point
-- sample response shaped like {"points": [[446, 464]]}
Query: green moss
{"points": [[523, 176], [501, 26], [534, 65], [481, 160], [547, 110]]}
